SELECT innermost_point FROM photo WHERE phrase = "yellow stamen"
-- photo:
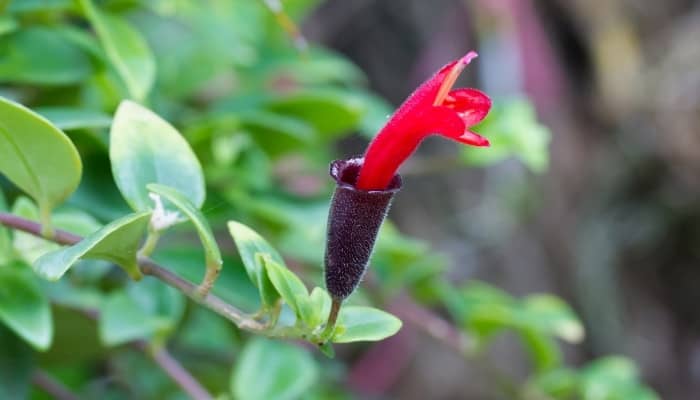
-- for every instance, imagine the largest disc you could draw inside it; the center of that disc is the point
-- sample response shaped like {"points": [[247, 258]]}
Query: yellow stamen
{"points": [[452, 77]]}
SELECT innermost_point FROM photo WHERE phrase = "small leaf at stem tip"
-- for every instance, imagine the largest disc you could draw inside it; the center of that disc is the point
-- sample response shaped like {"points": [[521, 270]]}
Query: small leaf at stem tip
{"points": [[290, 287]]}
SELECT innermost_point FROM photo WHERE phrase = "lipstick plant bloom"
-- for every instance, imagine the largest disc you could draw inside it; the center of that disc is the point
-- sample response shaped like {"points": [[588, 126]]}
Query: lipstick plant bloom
{"points": [[434, 108], [366, 185]]}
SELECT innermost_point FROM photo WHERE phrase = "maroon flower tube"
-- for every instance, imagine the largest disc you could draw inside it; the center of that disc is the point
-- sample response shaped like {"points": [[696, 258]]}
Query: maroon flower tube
{"points": [[353, 222]]}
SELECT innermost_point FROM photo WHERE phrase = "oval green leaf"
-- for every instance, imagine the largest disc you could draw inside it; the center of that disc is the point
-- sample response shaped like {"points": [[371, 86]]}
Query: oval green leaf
{"points": [[148, 309], [145, 149], [36, 156], [273, 370], [23, 306], [358, 323], [125, 48], [206, 236], [290, 287], [117, 242], [249, 243]]}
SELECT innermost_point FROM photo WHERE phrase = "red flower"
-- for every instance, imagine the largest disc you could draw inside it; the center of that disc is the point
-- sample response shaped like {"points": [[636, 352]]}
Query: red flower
{"points": [[432, 109]]}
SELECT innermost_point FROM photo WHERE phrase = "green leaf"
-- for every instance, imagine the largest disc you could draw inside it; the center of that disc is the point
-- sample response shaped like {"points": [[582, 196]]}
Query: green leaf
{"points": [[16, 365], [290, 287], [613, 378], [542, 349], [145, 149], [148, 309], [23, 306], [125, 48], [320, 306], [550, 314], [117, 242], [358, 323], [75, 118], [206, 236], [31, 247], [36, 156], [273, 370], [249, 243], [40, 56]]}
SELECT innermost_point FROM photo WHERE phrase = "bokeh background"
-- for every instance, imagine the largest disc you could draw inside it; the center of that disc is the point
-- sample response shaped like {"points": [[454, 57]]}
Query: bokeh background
{"points": [[590, 191], [612, 225]]}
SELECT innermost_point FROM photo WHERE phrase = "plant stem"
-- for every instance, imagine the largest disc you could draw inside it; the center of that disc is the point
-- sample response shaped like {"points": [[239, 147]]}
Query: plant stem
{"points": [[47, 230], [51, 386], [25, 225], [149, 267], [212, 302], [175, 371], [332, 318], [150, 244], [212, 272]]}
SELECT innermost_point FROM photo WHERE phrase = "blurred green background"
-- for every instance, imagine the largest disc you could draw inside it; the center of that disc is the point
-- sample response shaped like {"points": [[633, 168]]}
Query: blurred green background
{"points": [[589, 192]]}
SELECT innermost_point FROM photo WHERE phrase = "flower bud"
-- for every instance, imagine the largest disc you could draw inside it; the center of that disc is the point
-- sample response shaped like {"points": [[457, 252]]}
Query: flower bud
{"points": [[353, 222]]}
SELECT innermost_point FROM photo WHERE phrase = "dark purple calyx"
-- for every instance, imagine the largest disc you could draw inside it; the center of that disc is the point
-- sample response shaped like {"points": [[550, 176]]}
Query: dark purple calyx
{"points": [[353, 222]]}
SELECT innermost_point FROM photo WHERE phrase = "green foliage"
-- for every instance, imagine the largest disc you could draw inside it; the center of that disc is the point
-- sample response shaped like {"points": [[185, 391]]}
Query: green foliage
{"points": [[357, 323], [147, 310], [125, 49], [608, 378], [272, 370], [212, 253], [23, 307], [116, 242], [41, 56], [249, 244], [29, 247], [37, 156], [537, 319], [145, 149], [16, 364], [290, 288]]}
